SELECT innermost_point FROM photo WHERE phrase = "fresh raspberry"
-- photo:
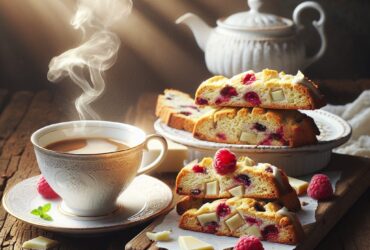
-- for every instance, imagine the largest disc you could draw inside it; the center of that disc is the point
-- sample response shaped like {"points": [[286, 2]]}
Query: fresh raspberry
{"points": [[223, 210], [45, 190], [248, 243], [199, 169], [224, 161], [249, 78], [320, 187]]}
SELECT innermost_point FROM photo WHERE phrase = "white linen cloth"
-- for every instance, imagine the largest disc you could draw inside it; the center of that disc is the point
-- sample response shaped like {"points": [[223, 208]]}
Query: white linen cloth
{"points": [[357, 114]]}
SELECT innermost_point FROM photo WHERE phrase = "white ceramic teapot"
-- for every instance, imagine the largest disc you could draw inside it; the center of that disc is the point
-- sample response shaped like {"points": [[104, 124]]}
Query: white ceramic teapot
{"points": [[255, 40]]}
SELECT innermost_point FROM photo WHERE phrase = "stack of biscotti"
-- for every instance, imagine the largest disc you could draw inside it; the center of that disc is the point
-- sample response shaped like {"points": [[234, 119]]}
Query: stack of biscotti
{"points": [[259, 109], [250, 108], [235, 197]]}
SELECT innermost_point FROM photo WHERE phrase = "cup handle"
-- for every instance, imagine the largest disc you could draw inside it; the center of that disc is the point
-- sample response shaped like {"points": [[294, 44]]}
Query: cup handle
{"points": [[159, 158]]}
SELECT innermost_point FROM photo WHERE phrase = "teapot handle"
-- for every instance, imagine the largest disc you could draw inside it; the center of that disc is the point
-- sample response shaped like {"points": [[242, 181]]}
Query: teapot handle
{"points": [[318, 24]]}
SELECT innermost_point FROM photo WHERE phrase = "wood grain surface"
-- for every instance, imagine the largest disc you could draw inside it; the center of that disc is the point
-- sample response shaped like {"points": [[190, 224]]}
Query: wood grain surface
{"points": [[23, 112]]}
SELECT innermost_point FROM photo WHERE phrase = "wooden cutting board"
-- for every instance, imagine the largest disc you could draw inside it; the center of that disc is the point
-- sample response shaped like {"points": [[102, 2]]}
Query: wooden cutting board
{"points": [[355, 180]]}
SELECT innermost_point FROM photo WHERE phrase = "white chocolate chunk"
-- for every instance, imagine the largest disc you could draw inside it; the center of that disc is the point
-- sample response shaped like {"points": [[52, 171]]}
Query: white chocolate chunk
{"points": [[246, 161], [39, 242], [277, 95], [248, 137], [192, 243], [237, 191], [159, 236], [253, 230], [299, 77], [212, 188], [234, 222], [299, 185], [207, 218], [205, 208]]}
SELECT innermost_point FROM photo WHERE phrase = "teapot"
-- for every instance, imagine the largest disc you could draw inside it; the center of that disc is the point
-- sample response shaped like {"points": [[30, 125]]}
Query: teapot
{"points": [[255, 40]]}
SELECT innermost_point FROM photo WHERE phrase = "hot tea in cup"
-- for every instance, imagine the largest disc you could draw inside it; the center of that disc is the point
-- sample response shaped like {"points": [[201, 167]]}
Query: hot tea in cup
{"points": [[89, 163]]}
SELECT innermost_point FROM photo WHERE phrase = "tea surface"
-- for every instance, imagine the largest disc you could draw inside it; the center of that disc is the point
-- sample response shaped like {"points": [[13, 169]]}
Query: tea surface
{"points": [[87, 146]]}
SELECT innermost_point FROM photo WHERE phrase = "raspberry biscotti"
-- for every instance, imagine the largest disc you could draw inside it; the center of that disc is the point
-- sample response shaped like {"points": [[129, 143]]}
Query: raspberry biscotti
{"points": [[257, 126], [177, 110], [244, 216], [266, 89], [226, 177]]}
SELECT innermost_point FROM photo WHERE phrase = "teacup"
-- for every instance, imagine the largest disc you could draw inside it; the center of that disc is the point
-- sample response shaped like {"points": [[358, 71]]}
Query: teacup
{"points": [[89, 184]]}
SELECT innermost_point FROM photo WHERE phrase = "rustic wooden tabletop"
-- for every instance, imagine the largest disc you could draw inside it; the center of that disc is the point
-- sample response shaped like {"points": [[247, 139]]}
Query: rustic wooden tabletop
{"points": [[23, 112]]}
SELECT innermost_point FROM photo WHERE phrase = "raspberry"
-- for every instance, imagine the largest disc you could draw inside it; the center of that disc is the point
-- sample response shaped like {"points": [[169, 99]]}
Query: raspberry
{"points": [[320, 187], [253, 98], [228, 91], [249, 78], [201, 101], [199, 169], [270, 232], [221, 136], [224, 162], [243, 178], [45, 190], [223, 210], [248, 243]]}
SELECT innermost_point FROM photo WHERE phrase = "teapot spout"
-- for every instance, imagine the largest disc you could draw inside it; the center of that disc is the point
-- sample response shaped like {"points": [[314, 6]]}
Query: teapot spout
{"points": [[200, 29]]}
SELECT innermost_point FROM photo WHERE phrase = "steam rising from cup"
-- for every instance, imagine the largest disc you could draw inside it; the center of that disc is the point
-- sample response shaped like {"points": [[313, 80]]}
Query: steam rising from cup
{"points": [[96, 54]]}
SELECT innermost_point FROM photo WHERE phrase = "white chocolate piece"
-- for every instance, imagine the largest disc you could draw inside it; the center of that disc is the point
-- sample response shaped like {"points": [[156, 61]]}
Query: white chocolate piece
{"points": [[277, 95], [192, 243], [246, 161], [298, 78], [299, 185], [206, 218], [234, 222], [237, 191], [246, 136], [212, 188], [39, 242], [205, 208], [159, 236], [253, 230]]}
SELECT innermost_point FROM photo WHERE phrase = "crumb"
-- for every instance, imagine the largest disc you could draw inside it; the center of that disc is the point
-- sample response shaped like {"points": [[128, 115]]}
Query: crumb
{"points": [[304, 203]]}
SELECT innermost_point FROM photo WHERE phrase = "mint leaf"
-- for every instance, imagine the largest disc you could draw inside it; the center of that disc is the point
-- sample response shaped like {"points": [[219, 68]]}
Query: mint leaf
{"points": [[35, 212], [41, 211], [46, 207], [46, 217]]}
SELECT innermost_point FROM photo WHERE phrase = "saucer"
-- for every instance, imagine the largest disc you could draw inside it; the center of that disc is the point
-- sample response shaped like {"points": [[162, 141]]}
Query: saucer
{"points": [[334, 131], [145, 198]]}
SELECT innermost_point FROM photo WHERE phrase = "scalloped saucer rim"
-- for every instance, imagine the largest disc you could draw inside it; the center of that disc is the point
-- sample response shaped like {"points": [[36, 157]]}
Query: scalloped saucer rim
{"points": [[340, 133], [135, 206]]}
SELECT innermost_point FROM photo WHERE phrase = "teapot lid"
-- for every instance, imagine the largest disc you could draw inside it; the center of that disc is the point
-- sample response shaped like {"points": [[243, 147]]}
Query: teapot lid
{"points": [[254, 19]]}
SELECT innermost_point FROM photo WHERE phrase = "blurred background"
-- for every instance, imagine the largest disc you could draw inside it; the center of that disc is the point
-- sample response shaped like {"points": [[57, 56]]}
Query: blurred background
{"points": [[156, 53]]}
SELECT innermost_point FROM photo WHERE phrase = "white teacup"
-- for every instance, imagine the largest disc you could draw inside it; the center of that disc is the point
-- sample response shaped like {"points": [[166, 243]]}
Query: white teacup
{"points": [[90, 184]]}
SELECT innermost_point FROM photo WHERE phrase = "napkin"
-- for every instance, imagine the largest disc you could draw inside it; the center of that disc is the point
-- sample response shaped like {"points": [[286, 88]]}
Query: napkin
{"points": [[357, 114], [306, 216]]}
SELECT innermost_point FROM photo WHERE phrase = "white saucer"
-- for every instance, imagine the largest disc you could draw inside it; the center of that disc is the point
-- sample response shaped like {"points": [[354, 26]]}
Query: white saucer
{"points": [[334, 131], [144, 199]]}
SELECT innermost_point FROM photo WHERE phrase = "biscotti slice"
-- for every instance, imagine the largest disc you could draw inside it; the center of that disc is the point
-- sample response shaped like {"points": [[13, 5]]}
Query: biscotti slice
{"points": [[266, 89], [261, 181], [178, 110], [257, 126], [244, 216]]}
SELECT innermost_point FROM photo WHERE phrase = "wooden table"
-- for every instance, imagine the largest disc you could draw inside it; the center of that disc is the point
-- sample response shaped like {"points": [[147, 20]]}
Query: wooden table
{"points": [[23, 112]]}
